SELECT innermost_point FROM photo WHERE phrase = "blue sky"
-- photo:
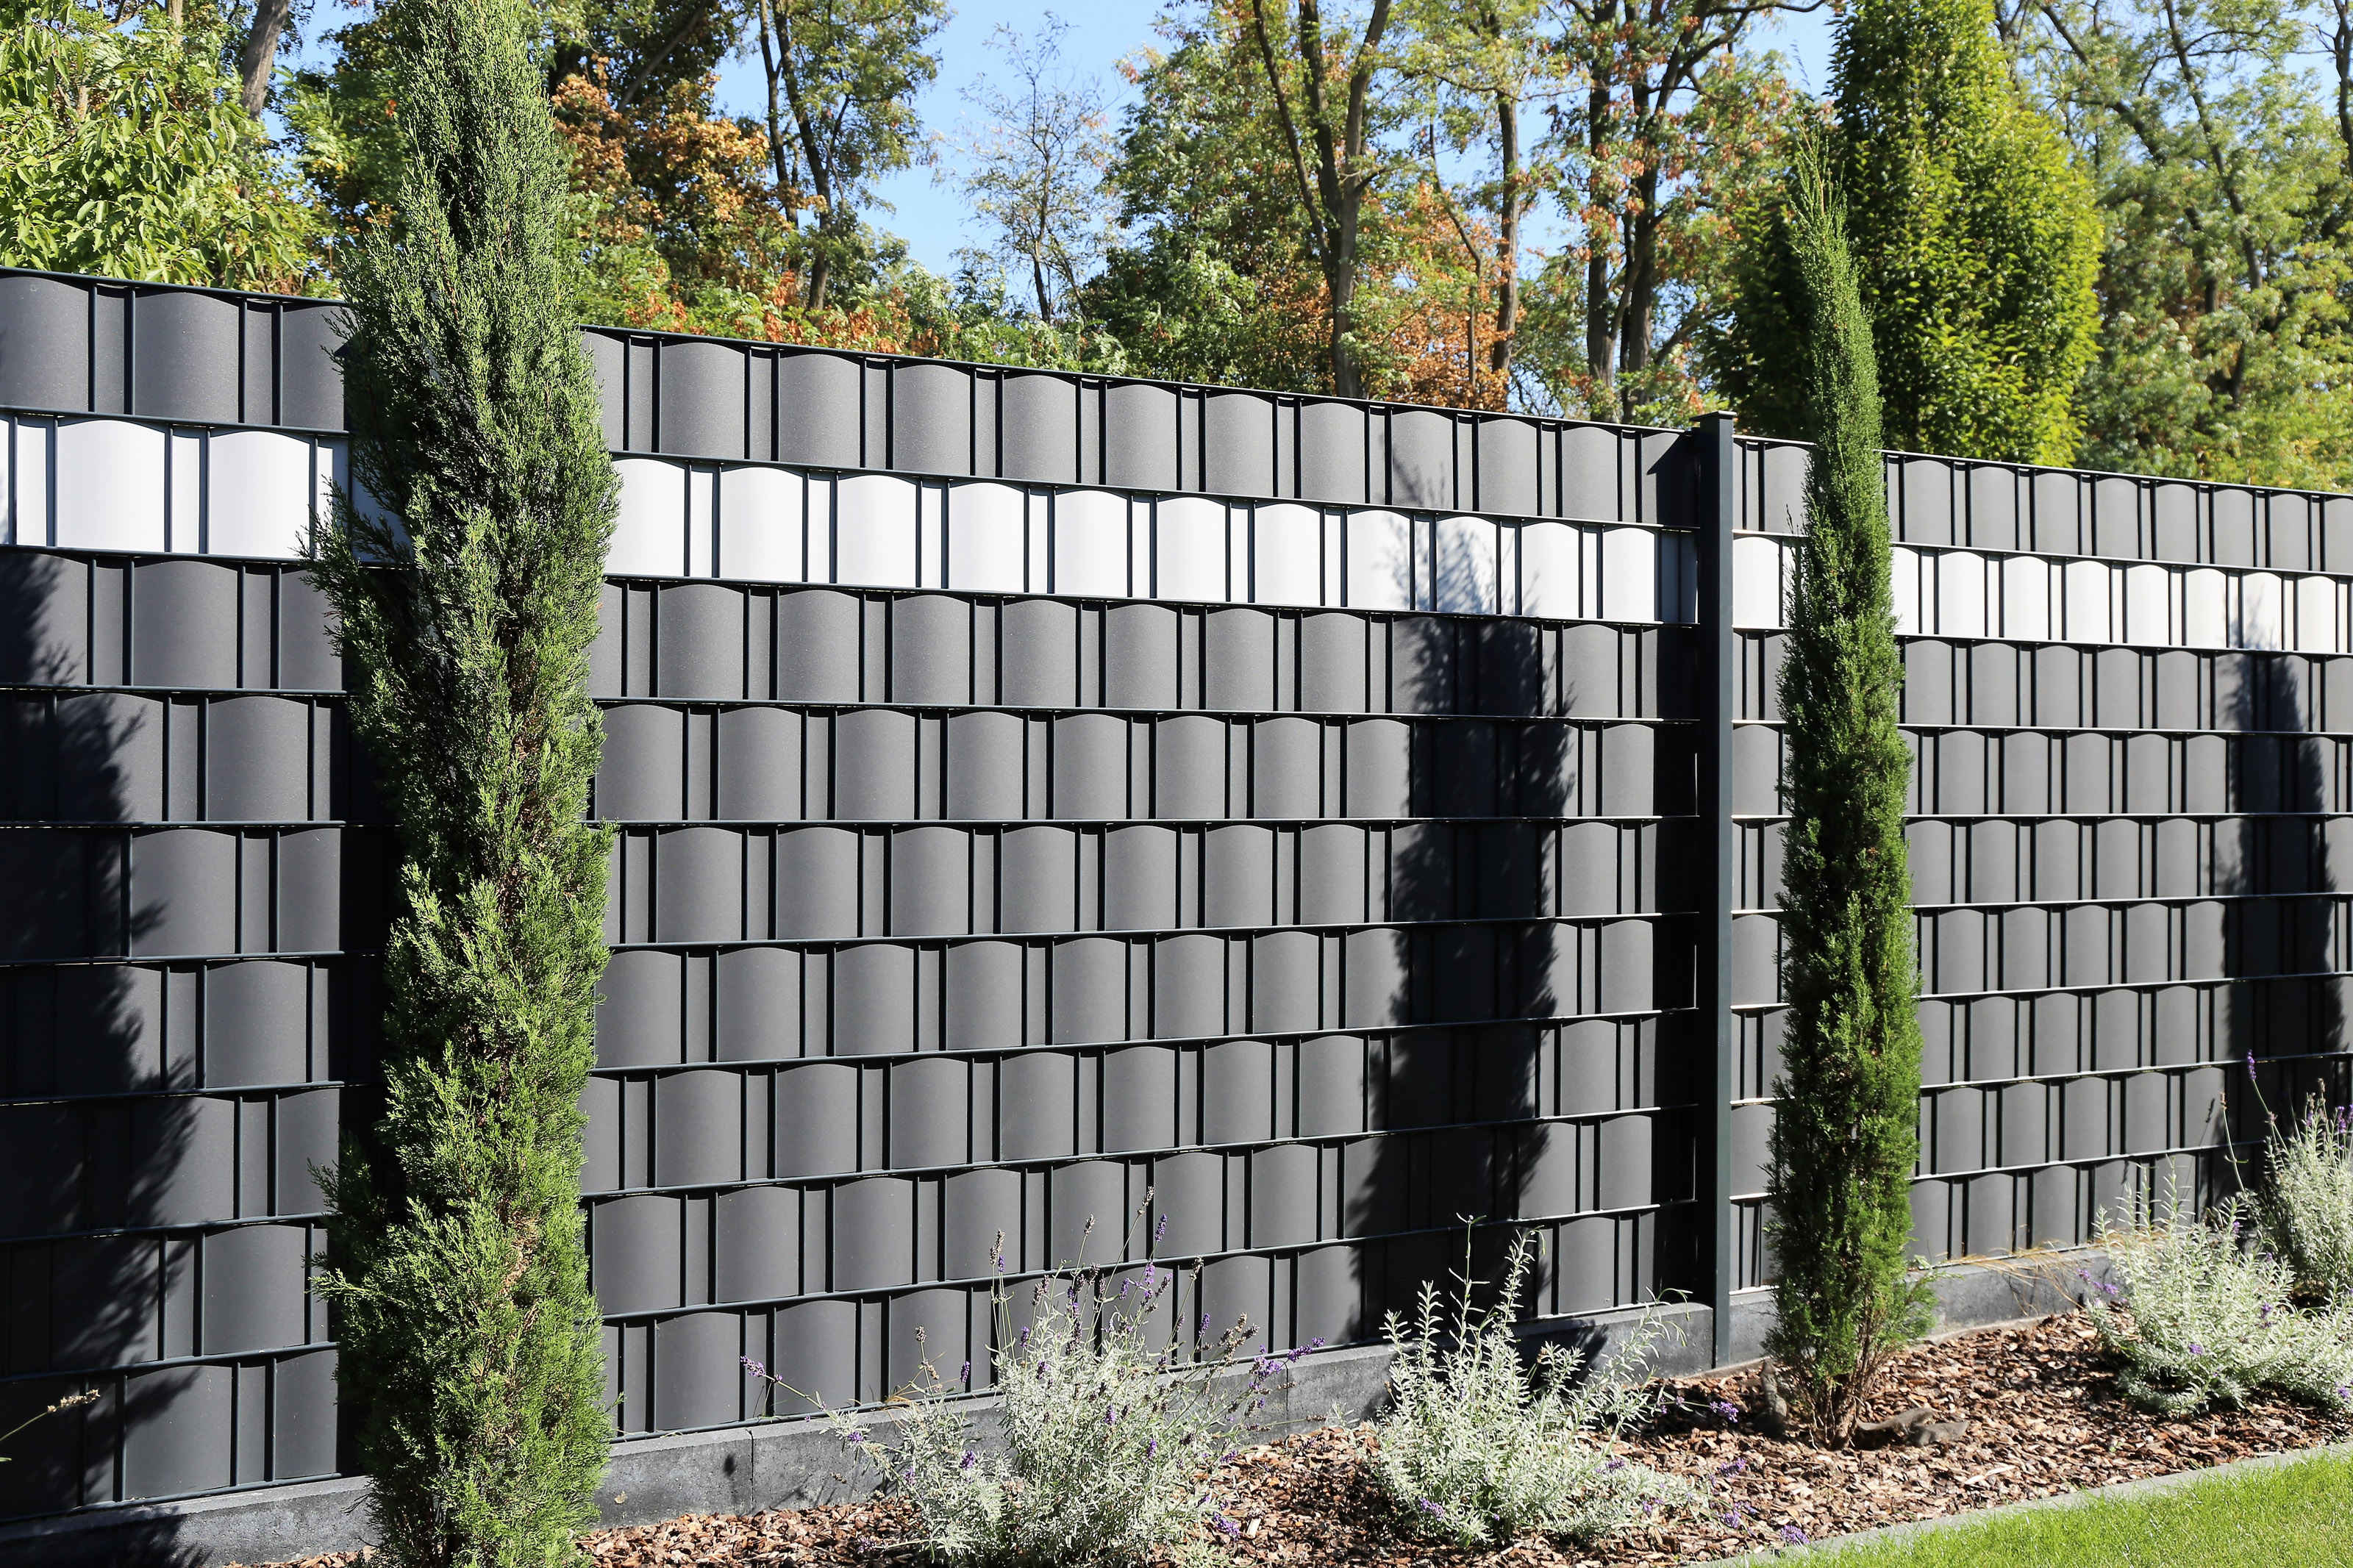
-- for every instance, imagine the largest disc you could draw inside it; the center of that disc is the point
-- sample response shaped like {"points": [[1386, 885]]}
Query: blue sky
{"points": [[931, 217], [927, 213]]}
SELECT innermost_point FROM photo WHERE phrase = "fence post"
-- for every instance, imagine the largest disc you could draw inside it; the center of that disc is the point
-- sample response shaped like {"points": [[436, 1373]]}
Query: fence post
{"points": [[1717, 693]]}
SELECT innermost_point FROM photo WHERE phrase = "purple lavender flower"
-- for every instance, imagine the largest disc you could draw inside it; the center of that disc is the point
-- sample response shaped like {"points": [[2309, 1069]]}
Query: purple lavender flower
{"points": [[1110, 1416], [970, 1459], [1225, 1526], [1734, 1517], [964, 1372], [1793, 1535], [1617, 1464], [1725, 1409], [2250, 1065], [1152, 1449], [1433, 1509], [2197, 1349], [1733, 1467], [753, 1367], [858, 1437], [1160, 1230]]}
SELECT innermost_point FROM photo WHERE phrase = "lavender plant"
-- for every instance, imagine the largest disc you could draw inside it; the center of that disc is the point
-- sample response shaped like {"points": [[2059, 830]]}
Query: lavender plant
{"points": [[2209, 1319], [2304, 1210], [1477, 1447], [1109, 1429]]}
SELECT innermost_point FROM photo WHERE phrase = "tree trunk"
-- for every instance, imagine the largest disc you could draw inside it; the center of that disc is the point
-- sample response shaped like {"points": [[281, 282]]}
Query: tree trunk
{"points": [[1332, 202], [1601, 300], [256, 63], [1640, 291], [828, 219], [820, 270], [784, 192], [1507, 243]]}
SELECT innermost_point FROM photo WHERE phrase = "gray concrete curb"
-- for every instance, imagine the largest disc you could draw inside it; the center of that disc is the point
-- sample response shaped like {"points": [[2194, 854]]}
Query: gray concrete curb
{"points": [[2121, 1491], [797, 1463]]}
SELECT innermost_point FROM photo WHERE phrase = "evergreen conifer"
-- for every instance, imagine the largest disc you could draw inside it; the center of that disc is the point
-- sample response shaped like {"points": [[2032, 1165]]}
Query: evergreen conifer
{"points": [[467, 595], [1846, 1130], [1976, 240]]}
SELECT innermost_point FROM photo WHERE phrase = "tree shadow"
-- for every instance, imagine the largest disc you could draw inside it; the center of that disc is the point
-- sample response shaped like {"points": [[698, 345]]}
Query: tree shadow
{"points": [[2280, 1024], [96, 1129], [1471, 1070]]}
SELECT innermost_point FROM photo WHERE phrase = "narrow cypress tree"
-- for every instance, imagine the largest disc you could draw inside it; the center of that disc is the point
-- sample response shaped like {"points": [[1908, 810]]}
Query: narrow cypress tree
{"points": [[1847, 1130], [467, 606]]}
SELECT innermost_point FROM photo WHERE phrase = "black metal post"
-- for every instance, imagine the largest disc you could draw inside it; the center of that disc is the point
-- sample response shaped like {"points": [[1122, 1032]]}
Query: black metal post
{"points": [[1719, 694]]}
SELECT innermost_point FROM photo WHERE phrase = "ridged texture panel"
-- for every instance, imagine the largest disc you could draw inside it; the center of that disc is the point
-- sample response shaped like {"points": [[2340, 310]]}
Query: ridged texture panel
{"points": [[936, 914], [2131, 835], [187, 985], [943, 914], [1043, 799]]}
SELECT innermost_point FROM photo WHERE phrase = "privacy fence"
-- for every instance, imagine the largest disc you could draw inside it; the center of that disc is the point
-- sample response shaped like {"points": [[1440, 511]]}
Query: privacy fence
{"points": [[1044, 798]]}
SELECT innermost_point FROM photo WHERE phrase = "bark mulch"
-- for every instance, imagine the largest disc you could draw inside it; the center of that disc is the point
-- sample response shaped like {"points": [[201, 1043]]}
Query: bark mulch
{"points": [[2044, 1417]]}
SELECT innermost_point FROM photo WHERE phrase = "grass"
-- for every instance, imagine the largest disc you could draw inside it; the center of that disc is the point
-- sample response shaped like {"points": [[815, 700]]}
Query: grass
{"points": [[2279, 1516]]}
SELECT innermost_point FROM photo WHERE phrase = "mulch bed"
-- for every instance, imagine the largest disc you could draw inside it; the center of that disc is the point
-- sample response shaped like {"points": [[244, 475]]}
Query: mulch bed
{"points": [[2044, 1415]]}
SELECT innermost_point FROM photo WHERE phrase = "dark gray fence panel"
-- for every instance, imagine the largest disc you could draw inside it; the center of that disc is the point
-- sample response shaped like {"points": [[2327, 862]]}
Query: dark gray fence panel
{"points": [[941, 913], [1321, 948], [185, 991], [85, 345], [198, 356], [2128, 856], [1326, 928]]}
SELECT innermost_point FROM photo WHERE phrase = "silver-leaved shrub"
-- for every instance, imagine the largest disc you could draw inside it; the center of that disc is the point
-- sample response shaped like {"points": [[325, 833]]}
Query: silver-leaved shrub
{"points": [[2207, 1318], [2304, 1209], [1112, 1424], [1477, 1447]]}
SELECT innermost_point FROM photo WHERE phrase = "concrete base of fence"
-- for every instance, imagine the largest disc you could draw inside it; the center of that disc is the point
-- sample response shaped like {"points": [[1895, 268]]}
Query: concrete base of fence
{"points": [[794, 1464]]}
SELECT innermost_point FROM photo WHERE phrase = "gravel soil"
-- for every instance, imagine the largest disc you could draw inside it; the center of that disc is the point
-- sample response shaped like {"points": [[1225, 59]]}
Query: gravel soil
{"points": [[2044, 1415]]}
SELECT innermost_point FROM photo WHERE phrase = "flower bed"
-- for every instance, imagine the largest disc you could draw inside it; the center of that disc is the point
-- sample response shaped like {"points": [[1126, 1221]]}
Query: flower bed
{"points": [[2044, 1417]]}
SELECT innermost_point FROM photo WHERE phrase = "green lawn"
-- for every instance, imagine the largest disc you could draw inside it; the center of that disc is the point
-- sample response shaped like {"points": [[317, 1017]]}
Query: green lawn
{"points": [[2284, 1516]]}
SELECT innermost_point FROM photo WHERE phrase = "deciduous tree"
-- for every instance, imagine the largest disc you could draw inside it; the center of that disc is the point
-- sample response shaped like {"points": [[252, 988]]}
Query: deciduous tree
{"points": [[125, 149], [1035, 171], [841, 79], [2219, 135], [1482, 69], [1669, 123], [1321, 82]]}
